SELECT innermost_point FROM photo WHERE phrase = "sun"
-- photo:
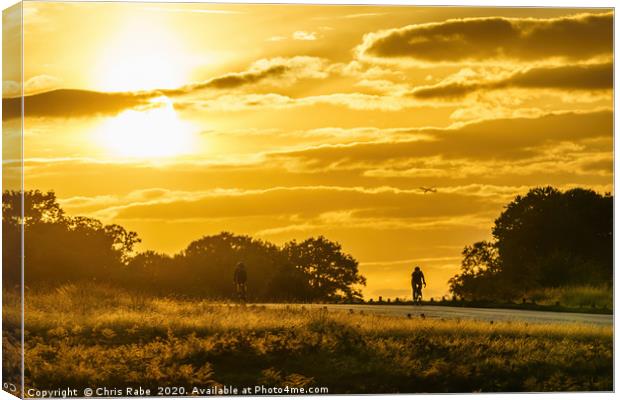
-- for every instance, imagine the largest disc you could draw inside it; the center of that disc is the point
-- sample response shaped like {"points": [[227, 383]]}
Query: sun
{"points": [[156, 132]]}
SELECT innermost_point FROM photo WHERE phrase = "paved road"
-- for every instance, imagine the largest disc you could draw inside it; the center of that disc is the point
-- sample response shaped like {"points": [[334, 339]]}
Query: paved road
{"points": [[483, 314]]}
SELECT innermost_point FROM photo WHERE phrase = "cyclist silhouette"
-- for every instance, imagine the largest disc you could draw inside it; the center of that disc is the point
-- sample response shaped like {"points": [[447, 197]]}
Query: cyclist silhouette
{"points": [[417, 280]]}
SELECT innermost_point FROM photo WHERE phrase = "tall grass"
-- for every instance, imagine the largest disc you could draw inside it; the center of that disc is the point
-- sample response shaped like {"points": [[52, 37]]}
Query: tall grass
{"points": [[574, 296], [94, 336]]}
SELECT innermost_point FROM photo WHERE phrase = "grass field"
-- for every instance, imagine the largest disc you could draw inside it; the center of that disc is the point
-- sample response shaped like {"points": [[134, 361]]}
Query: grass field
{"points": [[94, 336], [574, 296]]}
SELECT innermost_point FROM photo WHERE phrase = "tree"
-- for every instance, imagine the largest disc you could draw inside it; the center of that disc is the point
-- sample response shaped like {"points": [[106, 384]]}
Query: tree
{"points": [[546, 238], [11, 238], [290, 284], [153, 271], [60, 248], [480, 277], [331, 273], [38, 207], [209, 264]]}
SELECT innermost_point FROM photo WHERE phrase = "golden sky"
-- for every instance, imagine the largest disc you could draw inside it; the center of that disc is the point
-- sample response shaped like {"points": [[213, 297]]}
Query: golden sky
{"points": [[290, 121]]}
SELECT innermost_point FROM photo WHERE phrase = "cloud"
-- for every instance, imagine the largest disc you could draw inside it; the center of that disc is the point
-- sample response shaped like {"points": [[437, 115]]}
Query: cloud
{"points": [[36, 84], [326, 204], [472, 40], [588, 77], [498, 108], [366, 70], [383, 86], [234, 80], [431, 151], [603, 166], [548, 145], [565, 159], [298, 35], [331, 205], [303, 35], [379, 221], [72, 103], [273, 70], [363, 15], [77, 103], [353, 101], [93, 204], [11, 88]]}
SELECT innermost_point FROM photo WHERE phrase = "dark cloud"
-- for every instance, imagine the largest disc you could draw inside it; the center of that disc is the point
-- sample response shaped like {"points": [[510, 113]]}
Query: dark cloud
{"points": [[274, 69], [502, 140], [495, 38], [571, 77], [77, 103], [72, 103], [605, 166], [233, 80], [578, 77]]}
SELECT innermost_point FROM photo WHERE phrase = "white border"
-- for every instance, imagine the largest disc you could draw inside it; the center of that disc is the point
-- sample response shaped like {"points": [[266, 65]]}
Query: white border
{"points": [[484, 3]]}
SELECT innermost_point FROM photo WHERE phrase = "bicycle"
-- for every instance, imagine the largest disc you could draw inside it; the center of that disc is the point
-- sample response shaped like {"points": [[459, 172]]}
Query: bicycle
{"points": [[417, 293], [242, 292]]}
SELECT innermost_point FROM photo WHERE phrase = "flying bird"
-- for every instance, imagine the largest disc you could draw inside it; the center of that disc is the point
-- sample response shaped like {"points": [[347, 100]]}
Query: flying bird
{"points": [[428, 189]]}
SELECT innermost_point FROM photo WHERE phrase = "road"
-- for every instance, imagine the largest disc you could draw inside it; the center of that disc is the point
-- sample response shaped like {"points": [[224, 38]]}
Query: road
{"points": [[482, 314]]}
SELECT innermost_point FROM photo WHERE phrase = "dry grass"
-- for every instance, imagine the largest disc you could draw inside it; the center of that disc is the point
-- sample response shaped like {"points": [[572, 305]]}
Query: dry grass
{"points": [[574, 296], [85, 337]]}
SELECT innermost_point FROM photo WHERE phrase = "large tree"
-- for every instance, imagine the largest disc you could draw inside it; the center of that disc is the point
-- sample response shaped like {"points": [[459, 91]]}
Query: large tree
{"points": [[331, 273], [59, 248], [208, 264], [546, 238], [315, 269]]}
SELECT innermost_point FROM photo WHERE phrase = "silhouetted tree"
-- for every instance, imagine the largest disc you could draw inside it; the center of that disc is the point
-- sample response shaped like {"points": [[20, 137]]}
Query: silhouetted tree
{"points": [[210, 261], [546, 238], [11, 238], [480, 276], [290, 284], [331, 273], [153, 271], [60, 249], [38, 207]]}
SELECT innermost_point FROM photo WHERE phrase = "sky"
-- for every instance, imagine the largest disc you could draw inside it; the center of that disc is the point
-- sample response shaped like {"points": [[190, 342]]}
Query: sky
{"points": [[290, 121]]}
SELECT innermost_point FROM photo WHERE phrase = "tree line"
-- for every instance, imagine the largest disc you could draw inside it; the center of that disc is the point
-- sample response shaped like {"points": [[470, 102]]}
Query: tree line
{"points": [[61, 249], [547, 238]]}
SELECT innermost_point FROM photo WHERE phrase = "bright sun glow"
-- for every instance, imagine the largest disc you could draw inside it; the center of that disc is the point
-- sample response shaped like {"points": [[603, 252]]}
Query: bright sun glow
{"points": [[151, 133], [142, 55]]}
